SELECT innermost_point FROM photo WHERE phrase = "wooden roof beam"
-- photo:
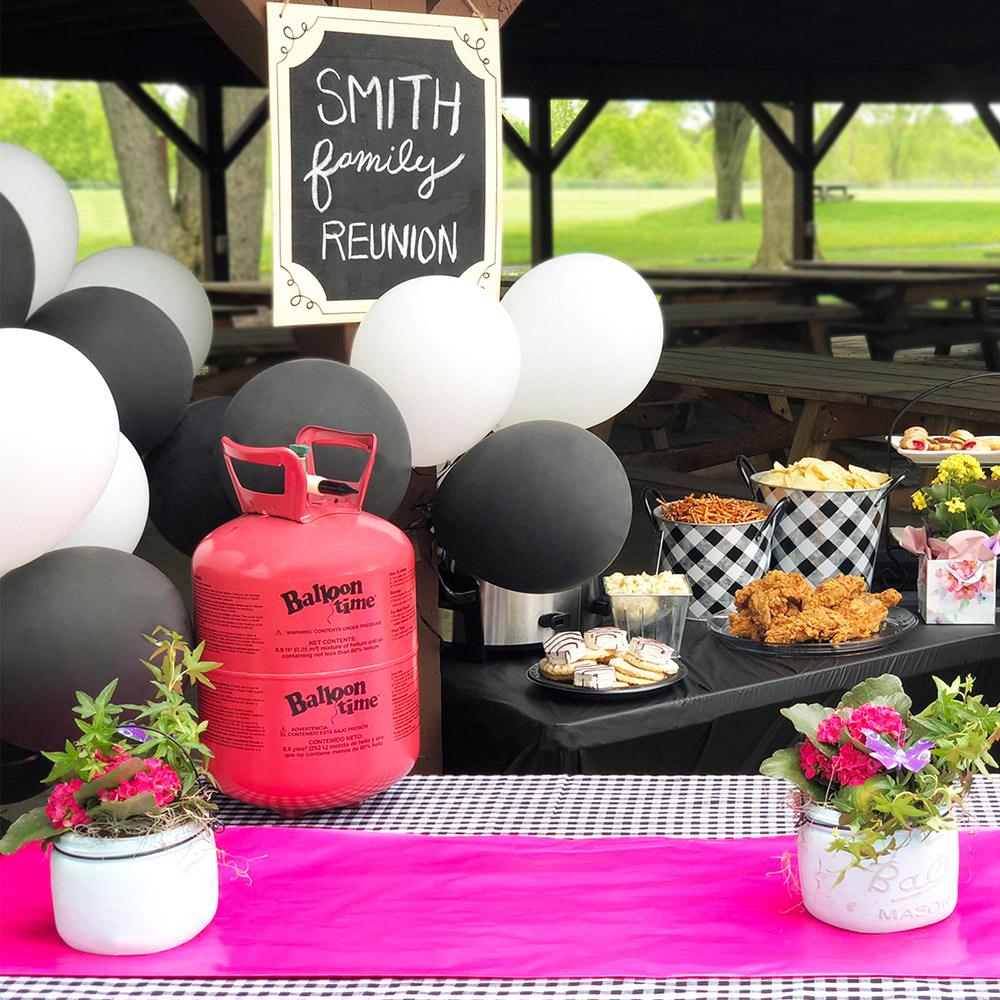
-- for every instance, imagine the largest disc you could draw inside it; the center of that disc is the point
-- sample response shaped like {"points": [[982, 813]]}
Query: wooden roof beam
{"points": [[241, 24]]}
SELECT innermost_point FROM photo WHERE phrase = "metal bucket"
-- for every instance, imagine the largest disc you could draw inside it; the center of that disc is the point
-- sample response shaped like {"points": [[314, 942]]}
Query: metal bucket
{"points": [[717, 559], [824, 532]]}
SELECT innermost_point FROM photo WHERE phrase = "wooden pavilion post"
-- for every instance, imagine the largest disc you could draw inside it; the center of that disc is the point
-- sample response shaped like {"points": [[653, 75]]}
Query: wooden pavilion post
{"points": [[803, 212], [542, 216], [541, 159], [214, 223]]}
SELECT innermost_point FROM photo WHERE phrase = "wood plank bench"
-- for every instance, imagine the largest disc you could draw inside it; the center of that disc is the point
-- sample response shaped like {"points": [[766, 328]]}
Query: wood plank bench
{"points": [[842, 398]]}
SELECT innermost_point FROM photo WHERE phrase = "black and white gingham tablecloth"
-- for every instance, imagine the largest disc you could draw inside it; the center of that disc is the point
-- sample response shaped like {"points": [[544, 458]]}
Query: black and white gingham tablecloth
{"points": [[558, 806]]}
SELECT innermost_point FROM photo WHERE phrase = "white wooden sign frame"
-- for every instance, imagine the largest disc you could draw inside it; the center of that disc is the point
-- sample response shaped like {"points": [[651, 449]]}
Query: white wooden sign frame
{"points": [[295, 32]]}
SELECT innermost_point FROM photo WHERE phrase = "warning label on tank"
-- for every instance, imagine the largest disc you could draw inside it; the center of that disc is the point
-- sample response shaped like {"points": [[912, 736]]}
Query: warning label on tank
{"points": [[234, 711], [403, 602], [228, 620], [405, 702]]}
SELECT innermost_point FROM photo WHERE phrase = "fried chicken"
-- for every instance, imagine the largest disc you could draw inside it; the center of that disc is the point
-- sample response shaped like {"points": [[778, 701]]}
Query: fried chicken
{"points": [[783, 607], [815, 622], [770, 599], [838, 589], [860, 616]]}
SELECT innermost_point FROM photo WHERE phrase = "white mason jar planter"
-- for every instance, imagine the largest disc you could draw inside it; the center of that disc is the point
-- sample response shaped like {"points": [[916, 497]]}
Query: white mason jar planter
{"points": [[913, 886], [134, 895]]}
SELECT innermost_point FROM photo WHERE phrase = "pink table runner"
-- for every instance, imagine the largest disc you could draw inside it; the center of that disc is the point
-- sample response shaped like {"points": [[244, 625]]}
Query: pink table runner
{"points": [[346, 903]]}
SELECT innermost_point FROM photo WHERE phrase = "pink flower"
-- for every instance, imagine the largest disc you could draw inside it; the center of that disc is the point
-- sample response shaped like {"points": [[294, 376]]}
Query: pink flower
{"points": [[829, 730], [814, 761], [853, 767], [878, 718], [111, 761], [159, 778], [63, 810]]}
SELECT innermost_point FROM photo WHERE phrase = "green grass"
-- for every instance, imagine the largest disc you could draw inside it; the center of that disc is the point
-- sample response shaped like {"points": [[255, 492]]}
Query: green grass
{"points": [[686, 234], [663, 228]]}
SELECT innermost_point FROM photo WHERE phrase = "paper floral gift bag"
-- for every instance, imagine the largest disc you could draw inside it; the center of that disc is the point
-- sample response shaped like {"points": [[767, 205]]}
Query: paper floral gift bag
{"points": [[958, 591], [958, 543]]}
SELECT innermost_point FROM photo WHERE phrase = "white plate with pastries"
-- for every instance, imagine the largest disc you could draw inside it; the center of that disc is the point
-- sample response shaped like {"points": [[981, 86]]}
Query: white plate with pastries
{"points": [[989, 454], [921, 448]]}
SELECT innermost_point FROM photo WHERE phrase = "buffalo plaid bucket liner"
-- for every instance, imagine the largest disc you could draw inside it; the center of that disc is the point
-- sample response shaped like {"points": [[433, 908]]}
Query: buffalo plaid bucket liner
{"points": [[824, 532], [717, 559]]}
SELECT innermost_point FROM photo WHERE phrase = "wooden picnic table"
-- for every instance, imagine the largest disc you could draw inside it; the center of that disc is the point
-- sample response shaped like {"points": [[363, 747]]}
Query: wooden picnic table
{"points": [[875, 291], [230, 293], [832, 191], [681, 290], [989, 269], [736, 321], [884, 296], [842, 398]]}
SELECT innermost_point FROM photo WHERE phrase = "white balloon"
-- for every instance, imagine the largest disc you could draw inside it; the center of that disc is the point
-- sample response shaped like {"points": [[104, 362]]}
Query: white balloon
{"points": [[49, 215], [591, 335], [159, 279], [448, 356], [58, 442], [118, 519]]}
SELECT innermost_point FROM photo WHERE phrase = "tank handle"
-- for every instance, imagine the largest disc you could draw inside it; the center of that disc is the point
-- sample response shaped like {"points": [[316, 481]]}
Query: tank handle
{"points": [[298, 502]]}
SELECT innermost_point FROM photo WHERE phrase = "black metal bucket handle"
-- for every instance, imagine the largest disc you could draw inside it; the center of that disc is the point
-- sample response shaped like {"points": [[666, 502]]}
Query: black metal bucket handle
{"points": [[647, 493], [746, 471]]}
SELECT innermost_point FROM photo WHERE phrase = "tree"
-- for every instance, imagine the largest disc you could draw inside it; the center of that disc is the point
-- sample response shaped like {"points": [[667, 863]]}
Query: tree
{"points": [[24, 109], [733, 126], [776, 245], [152, 217], [172, 225], [899, 125]]}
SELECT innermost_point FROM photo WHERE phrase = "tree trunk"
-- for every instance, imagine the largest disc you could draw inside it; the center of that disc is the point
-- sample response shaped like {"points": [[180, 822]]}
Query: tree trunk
{"points": [[187, 198], [776, 245], [733, 127], [152, 220], [174, 228], [246, 185]]}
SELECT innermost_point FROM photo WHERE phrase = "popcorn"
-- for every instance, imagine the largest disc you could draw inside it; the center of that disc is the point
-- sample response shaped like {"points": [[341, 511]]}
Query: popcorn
{"points": [[644, 583]]}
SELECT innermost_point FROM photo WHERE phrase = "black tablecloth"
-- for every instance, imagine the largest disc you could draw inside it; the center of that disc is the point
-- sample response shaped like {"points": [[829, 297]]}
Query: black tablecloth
{"points": [[722, 717]]}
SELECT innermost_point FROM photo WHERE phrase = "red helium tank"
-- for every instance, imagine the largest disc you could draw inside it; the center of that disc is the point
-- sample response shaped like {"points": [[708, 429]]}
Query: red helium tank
{"points": [[309, 603]]}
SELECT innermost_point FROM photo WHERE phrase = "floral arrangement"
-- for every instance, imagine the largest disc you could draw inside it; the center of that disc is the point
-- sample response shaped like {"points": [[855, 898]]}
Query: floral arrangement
{"points": [[121, 778], [959, 542], [883, 768], [959, 498]]}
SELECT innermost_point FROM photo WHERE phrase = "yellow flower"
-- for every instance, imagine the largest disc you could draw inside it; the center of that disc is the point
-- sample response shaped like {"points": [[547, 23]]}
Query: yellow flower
{"points": [[995, 472], [955, 506], [959, 469], [920, 501]]}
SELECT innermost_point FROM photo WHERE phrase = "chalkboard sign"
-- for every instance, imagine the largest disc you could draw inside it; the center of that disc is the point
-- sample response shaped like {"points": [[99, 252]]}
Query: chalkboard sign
{"points": [[385, 134]]}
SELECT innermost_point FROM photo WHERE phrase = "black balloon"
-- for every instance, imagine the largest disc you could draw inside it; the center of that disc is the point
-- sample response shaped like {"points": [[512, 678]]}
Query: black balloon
{"points": [[276, 404], [17, 267], [135, 346], [72, 620], [537, 507], [187, 498]]}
